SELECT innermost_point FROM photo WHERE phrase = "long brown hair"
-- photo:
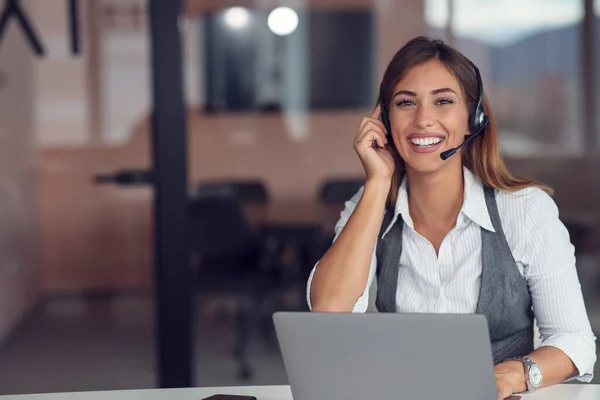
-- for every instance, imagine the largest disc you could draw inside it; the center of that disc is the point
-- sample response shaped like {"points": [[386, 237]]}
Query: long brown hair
{"points": [[482, 156]]}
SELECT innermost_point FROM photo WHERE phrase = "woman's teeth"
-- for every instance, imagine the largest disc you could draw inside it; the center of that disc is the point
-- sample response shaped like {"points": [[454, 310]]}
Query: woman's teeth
{"points": [[424, 142]]}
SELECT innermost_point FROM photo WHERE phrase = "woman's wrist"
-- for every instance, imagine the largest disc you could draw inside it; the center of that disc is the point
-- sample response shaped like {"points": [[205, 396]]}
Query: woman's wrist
{"points": [[518, 374], [379, 185]]}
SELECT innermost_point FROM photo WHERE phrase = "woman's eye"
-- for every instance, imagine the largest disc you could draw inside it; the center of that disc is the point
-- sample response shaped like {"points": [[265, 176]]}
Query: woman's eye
{"points": [[404, 103], [444, 102]]}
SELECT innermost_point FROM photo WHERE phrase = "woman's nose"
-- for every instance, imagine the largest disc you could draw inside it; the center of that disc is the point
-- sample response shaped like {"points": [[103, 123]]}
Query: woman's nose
{"points": [[423, 117]]}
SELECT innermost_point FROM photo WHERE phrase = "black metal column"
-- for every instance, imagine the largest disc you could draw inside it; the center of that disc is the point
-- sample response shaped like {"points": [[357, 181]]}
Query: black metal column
{"points": [[588, 61], [173, 283], [74, 25]]}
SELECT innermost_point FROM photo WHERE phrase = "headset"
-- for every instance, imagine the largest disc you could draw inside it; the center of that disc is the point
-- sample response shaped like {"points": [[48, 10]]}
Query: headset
{"points": [[478, 120]]}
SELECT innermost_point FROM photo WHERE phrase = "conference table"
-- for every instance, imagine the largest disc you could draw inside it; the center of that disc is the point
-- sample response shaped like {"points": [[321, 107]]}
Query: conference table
{"points": [[558, 392]]}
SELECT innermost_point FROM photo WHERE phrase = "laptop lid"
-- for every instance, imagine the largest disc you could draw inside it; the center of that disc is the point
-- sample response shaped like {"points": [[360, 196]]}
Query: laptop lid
{"points": [[351, 356]]}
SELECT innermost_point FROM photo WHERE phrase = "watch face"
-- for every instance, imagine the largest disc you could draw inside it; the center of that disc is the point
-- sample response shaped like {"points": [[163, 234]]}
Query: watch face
{"points": [[535, 376]]}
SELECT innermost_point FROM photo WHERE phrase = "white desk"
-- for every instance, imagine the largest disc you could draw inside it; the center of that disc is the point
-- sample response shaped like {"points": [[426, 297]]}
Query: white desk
{"points": [[559, 392]]}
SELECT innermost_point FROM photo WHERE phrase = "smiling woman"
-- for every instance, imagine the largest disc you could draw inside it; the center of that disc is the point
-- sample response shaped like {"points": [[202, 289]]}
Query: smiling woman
{"points": [[456, 234]]}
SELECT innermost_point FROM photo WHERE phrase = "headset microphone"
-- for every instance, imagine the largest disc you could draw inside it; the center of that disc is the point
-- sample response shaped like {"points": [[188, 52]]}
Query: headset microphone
{"points": [[445, 154]]}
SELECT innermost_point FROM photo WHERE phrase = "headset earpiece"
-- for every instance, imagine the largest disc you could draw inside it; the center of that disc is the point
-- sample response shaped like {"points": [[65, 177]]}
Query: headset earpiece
{"points": [[477, 118], [384, 116]]}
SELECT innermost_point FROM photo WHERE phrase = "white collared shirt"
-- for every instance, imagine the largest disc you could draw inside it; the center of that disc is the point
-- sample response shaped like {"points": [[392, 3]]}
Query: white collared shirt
{"points": [[449, 282]]}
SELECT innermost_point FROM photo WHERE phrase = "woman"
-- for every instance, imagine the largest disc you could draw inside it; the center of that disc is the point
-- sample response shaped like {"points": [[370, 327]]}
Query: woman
{"points": [[456, 233]]}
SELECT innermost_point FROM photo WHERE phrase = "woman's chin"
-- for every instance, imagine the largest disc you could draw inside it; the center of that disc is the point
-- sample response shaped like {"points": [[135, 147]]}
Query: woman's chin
{"points": [[429, 163]]}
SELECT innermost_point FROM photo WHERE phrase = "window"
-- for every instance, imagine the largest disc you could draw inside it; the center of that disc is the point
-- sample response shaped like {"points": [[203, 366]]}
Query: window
{"points": [[529, 57]]}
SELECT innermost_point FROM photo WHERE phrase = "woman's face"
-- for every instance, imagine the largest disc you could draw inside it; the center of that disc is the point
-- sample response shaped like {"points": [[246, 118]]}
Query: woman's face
{"points": [[428, 115]]}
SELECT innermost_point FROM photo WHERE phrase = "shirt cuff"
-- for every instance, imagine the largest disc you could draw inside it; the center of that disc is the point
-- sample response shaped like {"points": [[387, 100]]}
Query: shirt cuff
{"points": [[580, 348]]}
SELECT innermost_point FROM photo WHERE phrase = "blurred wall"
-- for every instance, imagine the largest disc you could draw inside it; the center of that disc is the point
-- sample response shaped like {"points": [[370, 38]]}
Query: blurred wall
{"points": [[20, 272], [94, 238], [61, 113]]}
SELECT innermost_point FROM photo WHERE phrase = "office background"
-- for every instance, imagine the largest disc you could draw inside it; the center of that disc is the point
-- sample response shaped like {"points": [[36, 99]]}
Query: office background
{"points": [[272, 101]]}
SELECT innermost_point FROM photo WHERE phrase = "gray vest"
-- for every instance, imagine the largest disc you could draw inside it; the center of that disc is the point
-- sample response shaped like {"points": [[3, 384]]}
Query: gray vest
{"points": [[503, 298]]}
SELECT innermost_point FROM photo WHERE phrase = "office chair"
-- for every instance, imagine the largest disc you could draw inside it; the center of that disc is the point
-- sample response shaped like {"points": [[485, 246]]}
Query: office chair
{"points": [[245, 191], [339, 190], [234, 258]]}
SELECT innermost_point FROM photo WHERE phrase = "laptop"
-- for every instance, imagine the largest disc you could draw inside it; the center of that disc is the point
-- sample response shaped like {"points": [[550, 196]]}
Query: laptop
{"points": [[351, 356]]}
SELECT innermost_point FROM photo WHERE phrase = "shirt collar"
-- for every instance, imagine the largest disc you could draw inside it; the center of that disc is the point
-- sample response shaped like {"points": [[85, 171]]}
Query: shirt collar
{"points": [[474, 206]]}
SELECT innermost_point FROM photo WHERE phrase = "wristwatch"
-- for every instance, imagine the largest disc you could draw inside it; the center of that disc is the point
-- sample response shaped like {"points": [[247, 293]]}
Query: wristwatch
{"points": [[534, 373]]}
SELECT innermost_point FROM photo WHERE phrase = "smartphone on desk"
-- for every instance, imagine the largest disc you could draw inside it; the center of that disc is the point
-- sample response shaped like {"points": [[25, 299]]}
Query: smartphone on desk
{"points": [[229, 397]]}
